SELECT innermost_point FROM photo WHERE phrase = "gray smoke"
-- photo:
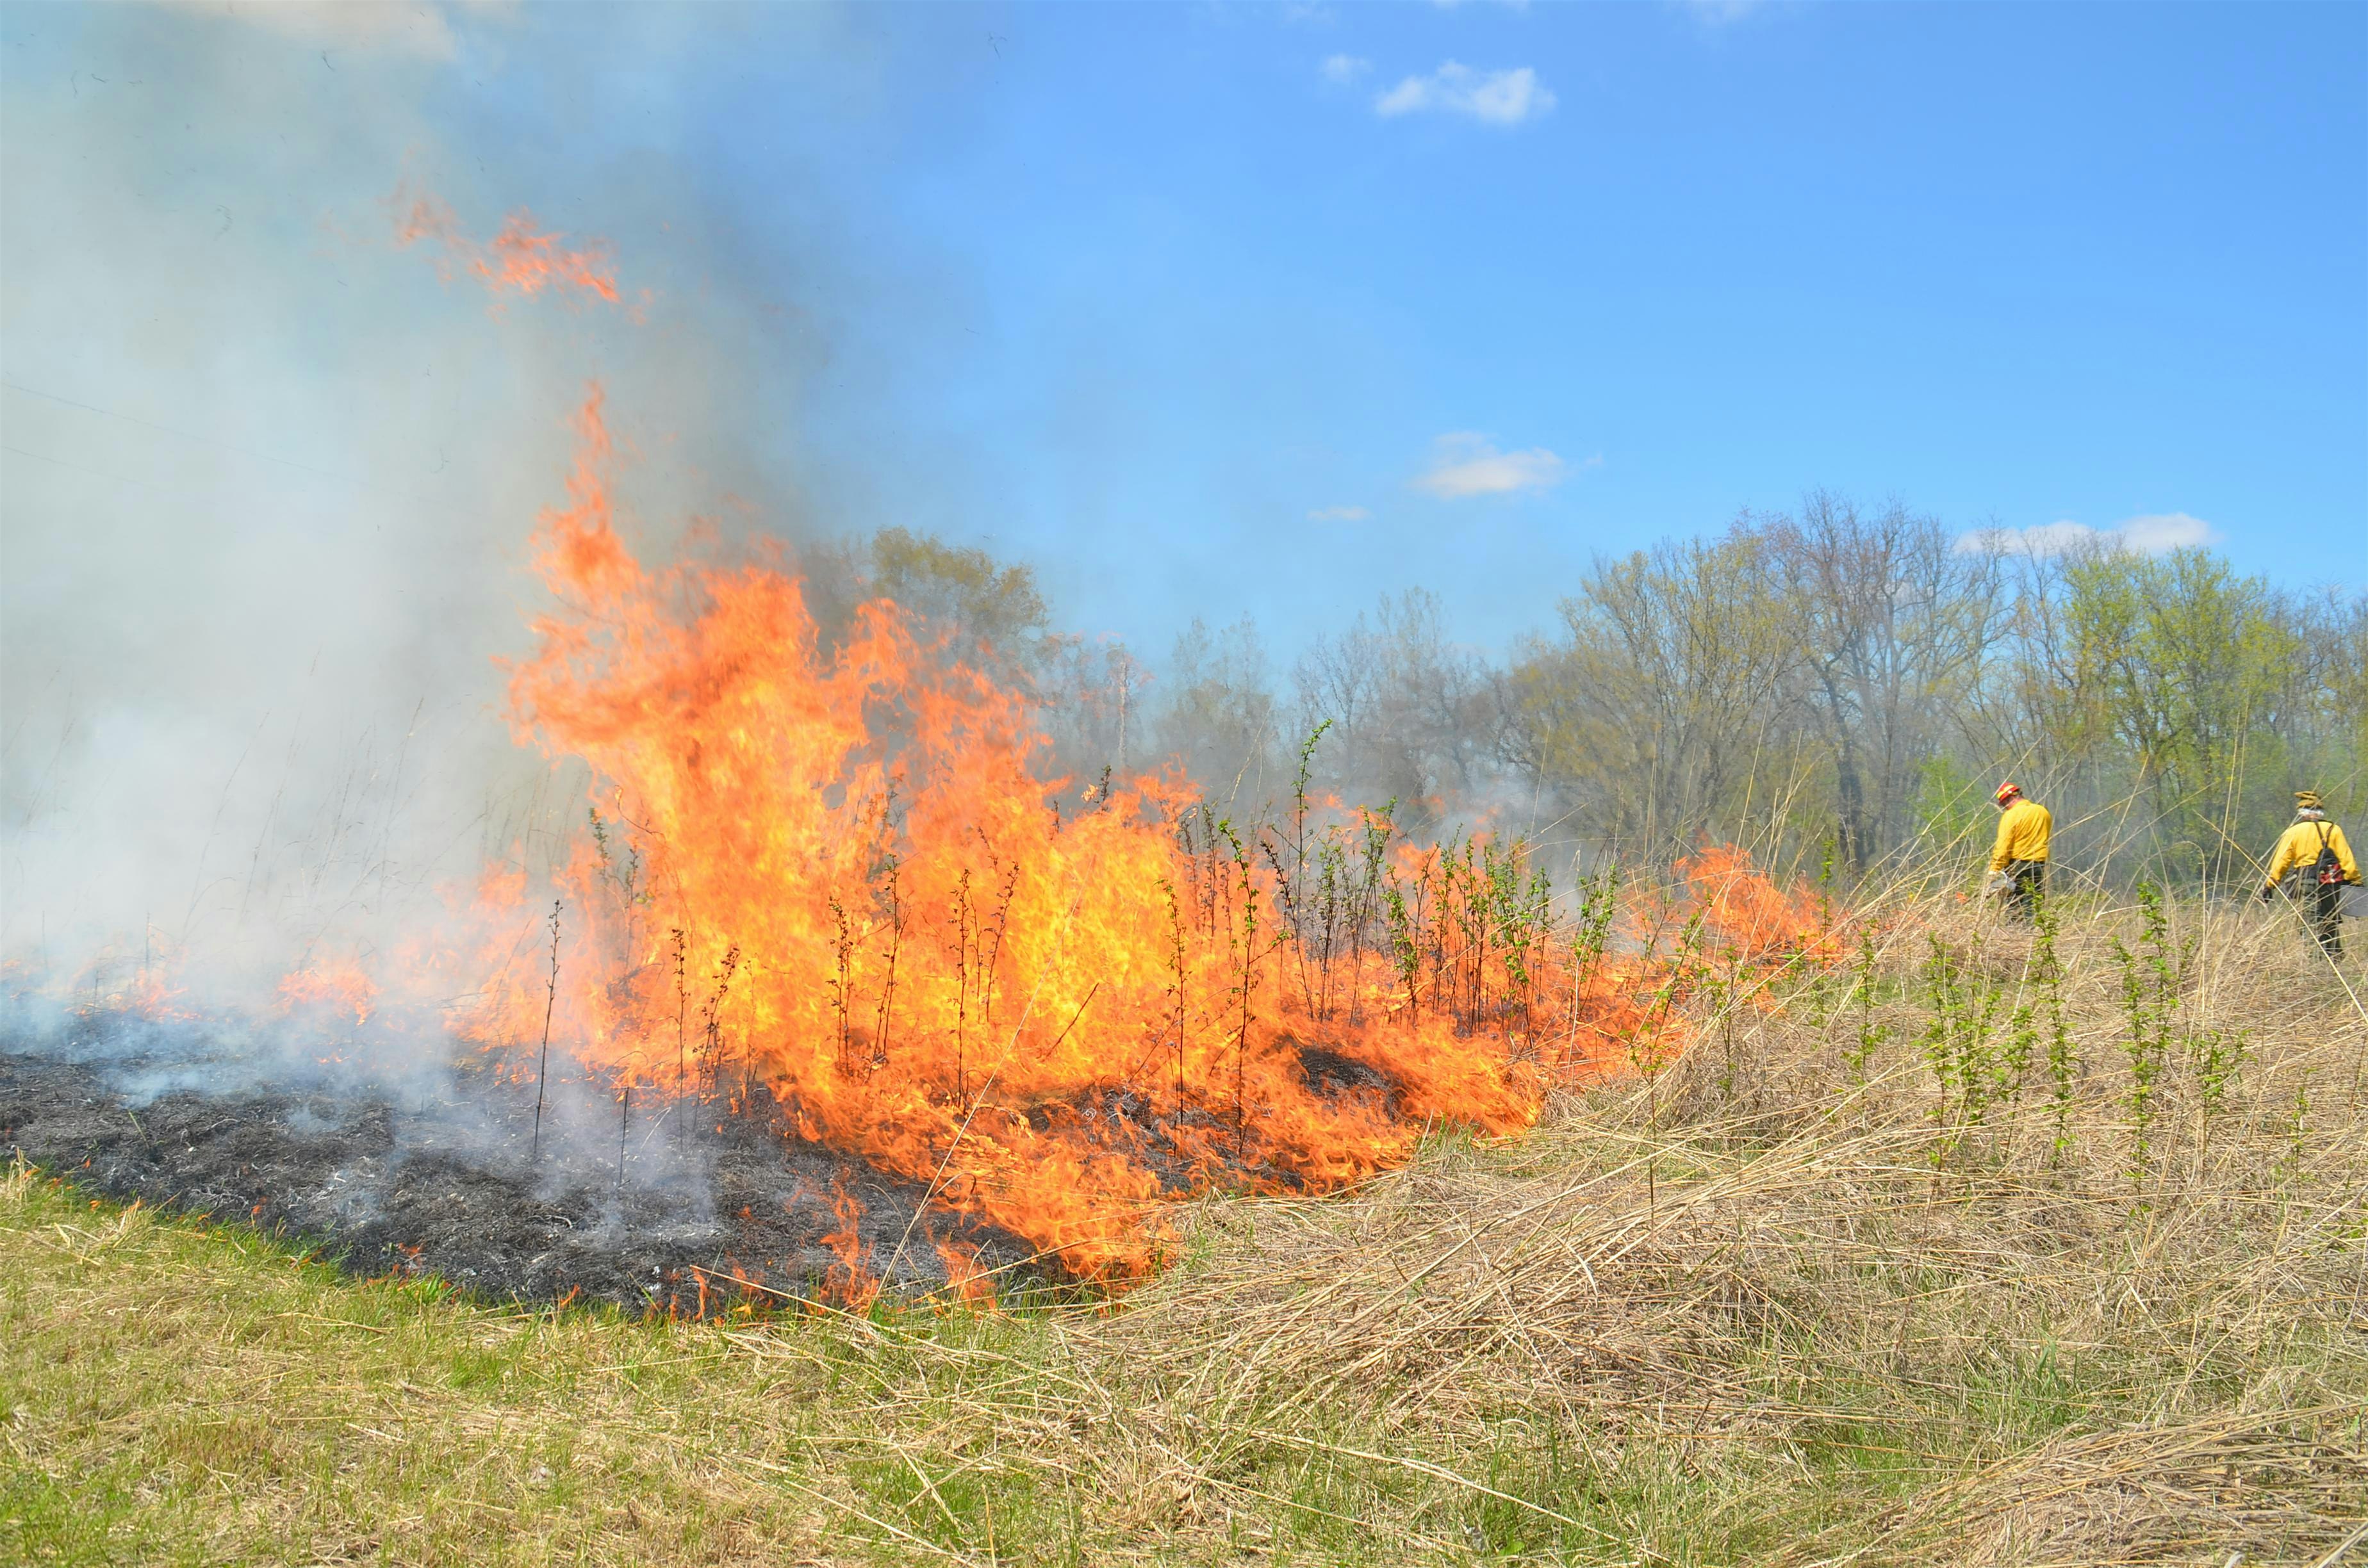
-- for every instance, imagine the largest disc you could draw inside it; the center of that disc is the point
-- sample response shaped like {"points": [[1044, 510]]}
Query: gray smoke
{"points": [[268, 476]]}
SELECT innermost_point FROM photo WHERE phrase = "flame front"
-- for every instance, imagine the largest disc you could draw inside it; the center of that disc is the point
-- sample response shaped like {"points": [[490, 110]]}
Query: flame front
{"points": [[831, 875]]}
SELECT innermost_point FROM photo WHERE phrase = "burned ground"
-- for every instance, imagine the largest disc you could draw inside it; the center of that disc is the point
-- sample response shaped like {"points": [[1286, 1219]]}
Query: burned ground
{"points": [[440, 1176]]}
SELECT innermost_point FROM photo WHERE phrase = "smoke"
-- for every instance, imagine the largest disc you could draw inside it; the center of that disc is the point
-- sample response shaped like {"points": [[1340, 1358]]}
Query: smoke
{"points": [[268, 471]]}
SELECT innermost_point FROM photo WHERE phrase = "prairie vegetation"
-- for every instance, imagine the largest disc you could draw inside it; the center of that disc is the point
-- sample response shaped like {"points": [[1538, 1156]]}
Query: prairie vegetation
{"points": [[1987, 1245]]}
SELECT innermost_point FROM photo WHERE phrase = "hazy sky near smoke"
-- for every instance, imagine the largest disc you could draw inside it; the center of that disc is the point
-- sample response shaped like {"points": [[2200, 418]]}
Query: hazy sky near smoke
{"points": [[1160, 297], [1201, 309]]}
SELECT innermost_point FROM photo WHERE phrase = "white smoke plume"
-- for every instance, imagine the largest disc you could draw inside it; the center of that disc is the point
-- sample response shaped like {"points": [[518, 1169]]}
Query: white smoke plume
{"points": [[269, 472]]}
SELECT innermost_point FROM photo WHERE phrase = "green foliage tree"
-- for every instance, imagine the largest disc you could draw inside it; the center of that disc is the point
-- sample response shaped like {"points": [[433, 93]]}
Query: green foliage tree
{"points": [[1666, 703], [1861, 679], [2188, 671], [963, 592]]}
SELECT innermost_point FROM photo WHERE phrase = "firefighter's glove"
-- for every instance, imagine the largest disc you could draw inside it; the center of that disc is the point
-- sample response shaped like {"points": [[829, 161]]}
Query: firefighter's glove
{"points": [[2267, 893]]}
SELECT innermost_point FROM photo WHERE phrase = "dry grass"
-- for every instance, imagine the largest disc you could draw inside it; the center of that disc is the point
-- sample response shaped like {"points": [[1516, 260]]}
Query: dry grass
{"points": [[1768, 1312]]}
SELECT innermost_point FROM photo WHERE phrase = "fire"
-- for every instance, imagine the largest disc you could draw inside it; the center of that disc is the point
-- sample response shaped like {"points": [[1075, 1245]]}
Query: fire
{"points": [[1757, 918], [832, 876], [848, 1282], [120, 985], [522, 259], [338, 987], [967, 1279]]}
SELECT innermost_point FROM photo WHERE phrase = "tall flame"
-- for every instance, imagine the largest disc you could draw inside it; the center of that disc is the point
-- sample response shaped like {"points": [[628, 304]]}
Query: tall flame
{"points": [[831, 875]]}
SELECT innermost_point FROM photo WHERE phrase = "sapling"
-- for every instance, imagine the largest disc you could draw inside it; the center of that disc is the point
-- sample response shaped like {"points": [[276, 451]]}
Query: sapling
{"points": [[2062, 1062], [1964, 1003], [961, 981], [2214, 1055], [1871, 1035], [888, 984], [1942, 1002], [2217, 1056], [842, 950], [1645, 1051], [2149, 996], [1519, 906], [1405, 947], [550, 1002], [1331, 877], [1375, 831], [1718, 992], [2023, 1039], [995, 950], [1175, 963], [1978, 1071], [681, 1017], [1249, 963], [2290, 1164], [711, 1014], [1291, 884], [2137, 1049], [626, 876], [624, 1117], [1446, 986], [1595, 926]]}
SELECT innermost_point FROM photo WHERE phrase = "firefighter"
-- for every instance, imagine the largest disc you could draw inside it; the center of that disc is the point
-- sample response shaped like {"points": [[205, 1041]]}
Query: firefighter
{"points": [[2020, 853], [2314, 849]]}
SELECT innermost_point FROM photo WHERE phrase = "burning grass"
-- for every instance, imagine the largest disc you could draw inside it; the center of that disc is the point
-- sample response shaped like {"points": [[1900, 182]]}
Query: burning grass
{"points": [[1874, 1273], [825, 922], [824, 873]]}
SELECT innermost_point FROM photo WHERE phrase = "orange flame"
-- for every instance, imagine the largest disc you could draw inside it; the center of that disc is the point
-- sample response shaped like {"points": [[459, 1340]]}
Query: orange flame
{"points": [[1758, 919], [336, 986], [850, 1283], [830, 874], [967, 1279], [522, 259]]}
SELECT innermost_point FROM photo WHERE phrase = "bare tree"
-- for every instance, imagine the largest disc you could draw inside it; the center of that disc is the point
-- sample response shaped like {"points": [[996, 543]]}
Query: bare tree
{"points": [[1665, 706], [1409, 709], [1220, 716], [1095, 695], [1892, 626]]}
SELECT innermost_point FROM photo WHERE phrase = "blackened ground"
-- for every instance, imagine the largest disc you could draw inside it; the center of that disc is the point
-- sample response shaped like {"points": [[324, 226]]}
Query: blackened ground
{"points": [[1335, 1077], [439, 1181]]}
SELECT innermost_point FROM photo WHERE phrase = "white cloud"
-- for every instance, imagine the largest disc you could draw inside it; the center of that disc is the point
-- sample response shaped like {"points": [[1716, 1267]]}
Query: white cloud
{"points": [[2156, 533], [1465, 464], [1497, 98], [1343, 69], [1338, 514], [2161, 532]]}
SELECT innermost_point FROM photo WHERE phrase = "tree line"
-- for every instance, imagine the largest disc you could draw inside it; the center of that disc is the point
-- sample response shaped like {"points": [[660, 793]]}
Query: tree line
{"points": [[1838, 687]]}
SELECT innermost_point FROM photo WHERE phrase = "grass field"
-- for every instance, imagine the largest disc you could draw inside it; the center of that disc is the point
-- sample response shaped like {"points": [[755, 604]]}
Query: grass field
{"points": [[1887, 1270]]}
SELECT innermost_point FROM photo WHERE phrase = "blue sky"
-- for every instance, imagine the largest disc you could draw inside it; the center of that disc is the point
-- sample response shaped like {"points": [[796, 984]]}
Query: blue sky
{"points": [[1231, 309]]}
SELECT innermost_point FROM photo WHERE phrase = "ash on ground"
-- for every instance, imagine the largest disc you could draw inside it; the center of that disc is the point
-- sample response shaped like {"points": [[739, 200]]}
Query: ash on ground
{"points": [[434, 1172]]}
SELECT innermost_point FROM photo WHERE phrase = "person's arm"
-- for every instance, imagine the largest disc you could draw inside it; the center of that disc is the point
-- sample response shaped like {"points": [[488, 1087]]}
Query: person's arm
{"points": [[1999, 852], [2282, 858], [2343, 854]]}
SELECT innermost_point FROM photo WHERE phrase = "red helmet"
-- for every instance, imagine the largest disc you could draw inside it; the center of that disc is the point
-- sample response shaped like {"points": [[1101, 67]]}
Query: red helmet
{"points": [[2006, 792]]}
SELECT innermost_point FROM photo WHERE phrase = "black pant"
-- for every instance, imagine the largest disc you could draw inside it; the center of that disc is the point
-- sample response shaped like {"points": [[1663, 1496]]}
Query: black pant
{"points": [[2322, 911], [2028, 885]]}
